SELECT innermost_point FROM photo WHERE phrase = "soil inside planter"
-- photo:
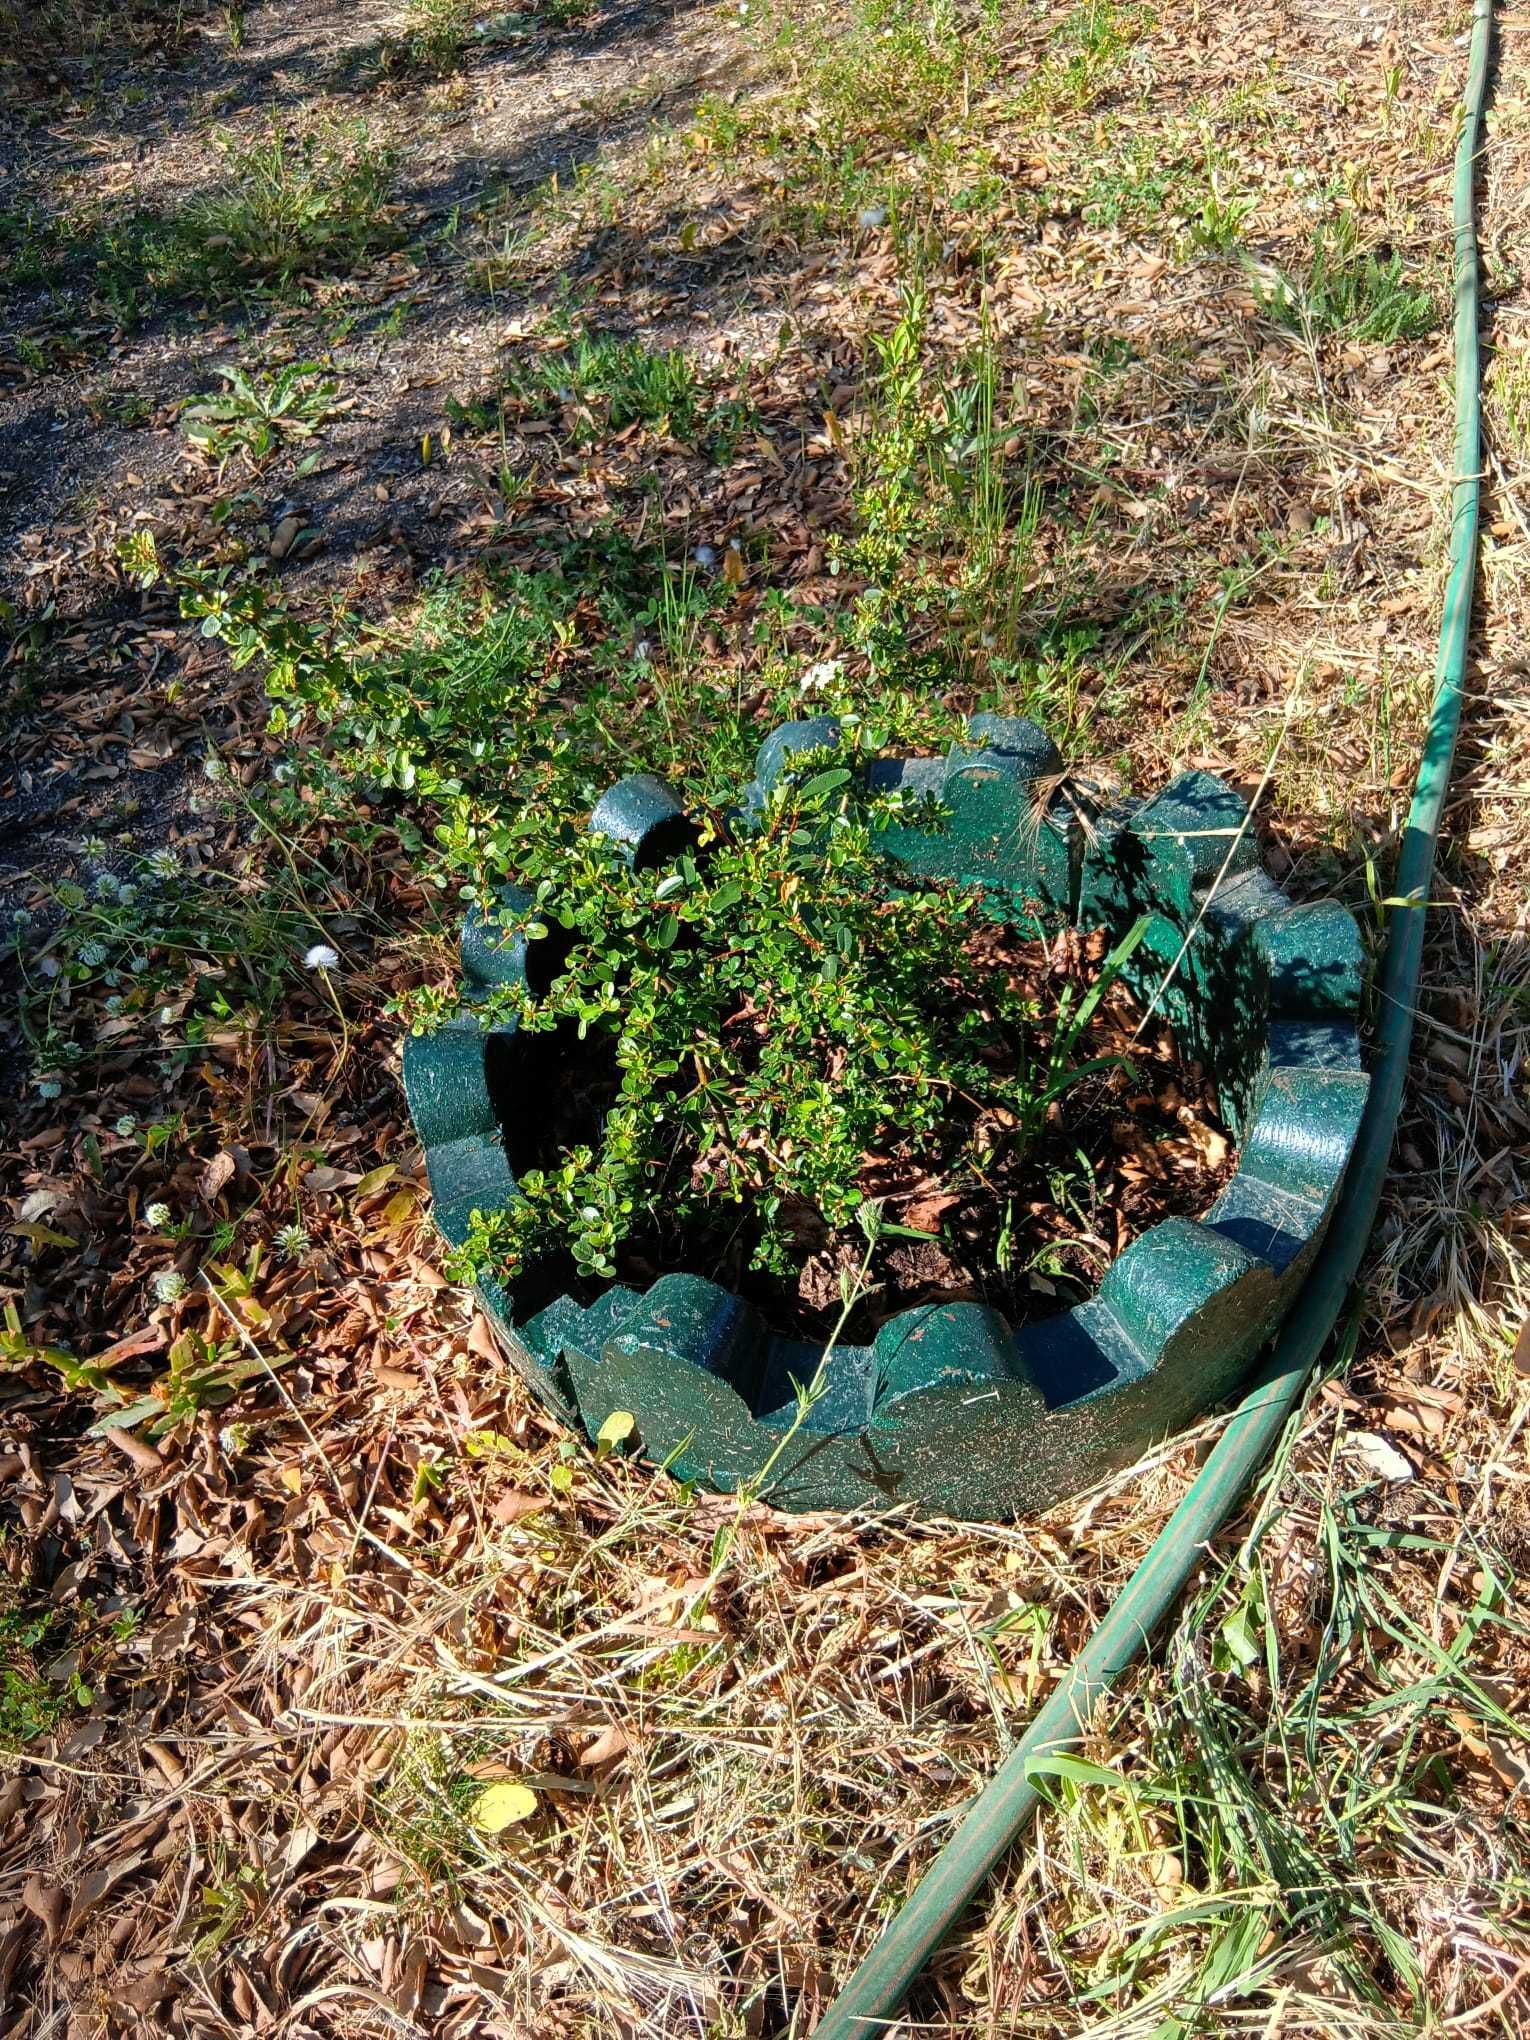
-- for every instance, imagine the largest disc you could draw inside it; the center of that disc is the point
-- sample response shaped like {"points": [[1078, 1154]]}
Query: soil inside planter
{"points": [[1121, 1149]]}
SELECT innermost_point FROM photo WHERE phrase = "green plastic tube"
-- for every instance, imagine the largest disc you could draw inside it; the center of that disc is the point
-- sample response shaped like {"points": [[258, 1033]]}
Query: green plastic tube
{"points": [[874, 1993]]}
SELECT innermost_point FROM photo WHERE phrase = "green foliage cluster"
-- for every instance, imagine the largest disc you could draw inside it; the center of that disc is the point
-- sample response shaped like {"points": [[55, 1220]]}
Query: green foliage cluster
{"points": [[255, 415], [433, 40], [783, 1019], [604, 383], [1366, 296], [769, 1013], [288, 205], [172, 951], [30, 1705]]}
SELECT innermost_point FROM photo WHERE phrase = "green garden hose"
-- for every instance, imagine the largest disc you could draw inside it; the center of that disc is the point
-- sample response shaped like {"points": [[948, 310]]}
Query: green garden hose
{"points": [[878, 1987]]}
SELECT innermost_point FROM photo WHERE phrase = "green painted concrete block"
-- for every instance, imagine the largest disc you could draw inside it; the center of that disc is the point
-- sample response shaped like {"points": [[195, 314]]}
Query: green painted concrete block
{"points": [[950, 1411], [493, 949], [644, 817]]}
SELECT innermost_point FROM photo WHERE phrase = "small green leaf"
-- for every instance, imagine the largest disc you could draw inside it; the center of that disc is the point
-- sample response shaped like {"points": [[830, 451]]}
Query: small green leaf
{"points": [[825, 782]]}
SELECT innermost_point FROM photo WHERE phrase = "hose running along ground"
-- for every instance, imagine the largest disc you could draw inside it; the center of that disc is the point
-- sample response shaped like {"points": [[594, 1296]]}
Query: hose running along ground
{"points": [[879, 1986]]}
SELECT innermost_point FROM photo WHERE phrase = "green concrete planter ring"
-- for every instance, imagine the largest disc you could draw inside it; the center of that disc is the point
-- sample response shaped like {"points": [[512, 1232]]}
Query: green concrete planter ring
{"points": [[949, 1410]]}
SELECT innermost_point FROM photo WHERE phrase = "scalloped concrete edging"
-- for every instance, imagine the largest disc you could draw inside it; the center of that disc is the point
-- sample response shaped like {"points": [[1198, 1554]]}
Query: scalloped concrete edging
{"points": [[948, 1409]]}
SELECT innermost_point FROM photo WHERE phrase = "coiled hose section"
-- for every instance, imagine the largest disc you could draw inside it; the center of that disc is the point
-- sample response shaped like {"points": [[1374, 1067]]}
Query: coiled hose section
{"points": [[879, 1986]]}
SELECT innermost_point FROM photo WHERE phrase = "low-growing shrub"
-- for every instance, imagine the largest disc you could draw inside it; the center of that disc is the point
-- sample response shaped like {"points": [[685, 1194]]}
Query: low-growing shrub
{"points": [[775, 1029]]}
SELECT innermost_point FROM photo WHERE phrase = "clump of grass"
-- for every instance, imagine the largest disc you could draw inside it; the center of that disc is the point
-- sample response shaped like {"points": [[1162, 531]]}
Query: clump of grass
{"points": [[1082, 54], [1362, 294], [286, 207], [605, 382], [433, 40], [293, 204], [68, 33]]}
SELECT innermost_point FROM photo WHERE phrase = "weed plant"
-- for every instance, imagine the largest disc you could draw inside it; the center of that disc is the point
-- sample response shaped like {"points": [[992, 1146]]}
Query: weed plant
{"points": [[256, 415], [604, 383], [287, 206], [1363, 295]]}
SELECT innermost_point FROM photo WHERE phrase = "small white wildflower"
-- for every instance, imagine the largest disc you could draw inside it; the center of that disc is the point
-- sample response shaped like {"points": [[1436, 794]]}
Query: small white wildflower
{"points": [[320, 957], [164, 863], [642, 651], [105, 887], [127, 1126], [167, 1016], [114, 1004], [169, 1283], [818, 677], [127, 892], [138, 963], [291, 1241], [49, 1088], [704, 556], [157, 1215], [94, 846], [871, 216], [92, 953], [213, 766]]}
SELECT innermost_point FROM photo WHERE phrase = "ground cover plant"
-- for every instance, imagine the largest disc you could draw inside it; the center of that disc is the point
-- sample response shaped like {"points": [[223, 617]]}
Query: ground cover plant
{"points": [[775, 1052], [633, 381]]}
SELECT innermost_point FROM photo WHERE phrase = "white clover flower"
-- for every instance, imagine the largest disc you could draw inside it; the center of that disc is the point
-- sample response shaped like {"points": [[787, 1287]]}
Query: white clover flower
{"points": [[164, 863], [127, 1126], [169, 1283], [321, 957], [105, 886], [871, 216], [138, 963], [213, 766], [157, 1215], [291, 1241], [92, 953], [50, 1088], [705, 556]]}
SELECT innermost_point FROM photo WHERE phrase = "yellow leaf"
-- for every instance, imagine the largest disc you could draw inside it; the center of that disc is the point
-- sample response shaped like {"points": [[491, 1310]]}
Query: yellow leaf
{"points": [[733, 567], [500, 1806], [399, 1208], [616, 1430], [374, 1179]]}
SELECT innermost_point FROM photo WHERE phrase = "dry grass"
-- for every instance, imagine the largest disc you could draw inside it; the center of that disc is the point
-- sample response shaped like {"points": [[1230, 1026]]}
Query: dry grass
{"points": [[318, 1619]]}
